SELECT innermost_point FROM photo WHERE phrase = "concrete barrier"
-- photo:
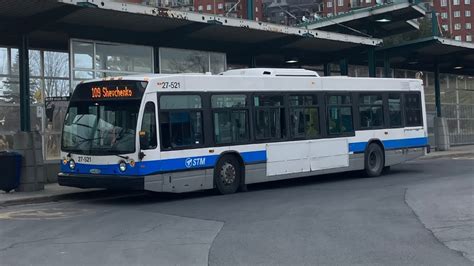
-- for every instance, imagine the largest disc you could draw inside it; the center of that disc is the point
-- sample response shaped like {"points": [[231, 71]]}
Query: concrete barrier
{"points": [[29, 145], [441, 132]]}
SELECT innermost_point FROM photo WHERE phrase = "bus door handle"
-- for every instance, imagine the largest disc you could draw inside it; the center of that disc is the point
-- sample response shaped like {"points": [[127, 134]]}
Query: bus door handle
{"points": [[386, 132], [211, 151]]}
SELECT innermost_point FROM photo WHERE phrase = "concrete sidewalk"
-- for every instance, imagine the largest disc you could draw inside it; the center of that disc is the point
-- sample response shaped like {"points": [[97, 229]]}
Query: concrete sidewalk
{"points": [[54, 192], [453, 152], [446, 208]]}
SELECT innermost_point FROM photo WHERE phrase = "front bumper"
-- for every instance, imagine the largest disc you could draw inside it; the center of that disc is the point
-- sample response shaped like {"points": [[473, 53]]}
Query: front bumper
{"points": [[101, 181]]}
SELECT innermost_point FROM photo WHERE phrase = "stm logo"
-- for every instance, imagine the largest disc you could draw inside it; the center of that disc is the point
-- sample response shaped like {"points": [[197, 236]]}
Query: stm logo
{"points": [[190, 162]]}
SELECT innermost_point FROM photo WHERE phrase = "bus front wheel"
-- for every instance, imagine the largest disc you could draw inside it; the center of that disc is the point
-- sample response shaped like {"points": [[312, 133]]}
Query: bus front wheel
{"points": [[374, 160], [227, 175]]}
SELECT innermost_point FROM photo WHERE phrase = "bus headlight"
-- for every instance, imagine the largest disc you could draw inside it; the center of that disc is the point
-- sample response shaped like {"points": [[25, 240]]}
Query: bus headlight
{"points": [[72, 164], [122, 166]]}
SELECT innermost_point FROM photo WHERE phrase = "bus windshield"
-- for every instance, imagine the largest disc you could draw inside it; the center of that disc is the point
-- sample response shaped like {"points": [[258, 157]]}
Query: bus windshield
{"points": [[101, 128], [102, 117]]}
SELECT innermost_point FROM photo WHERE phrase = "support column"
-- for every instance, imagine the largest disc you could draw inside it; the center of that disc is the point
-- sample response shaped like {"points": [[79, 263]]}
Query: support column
{"points": [[26, 142], [437, 89], [25, 124], [372, 63], [327, 69], [434, 24], [344, 66], [387, 73], [250, 10], [441, 130], [253, 61]]}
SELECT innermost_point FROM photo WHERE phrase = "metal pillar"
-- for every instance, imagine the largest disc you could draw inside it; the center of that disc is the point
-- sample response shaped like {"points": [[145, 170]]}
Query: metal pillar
{"points": [[344, 66], [250, 9], [24, 84], [327, 69], [441, 128], [387, 73], [434, 24], [253, 61], [372, 65], [437, 89]]}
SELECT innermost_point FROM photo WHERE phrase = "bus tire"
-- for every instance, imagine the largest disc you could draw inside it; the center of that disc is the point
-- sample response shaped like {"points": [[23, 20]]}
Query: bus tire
{"points": [[374, 160], [227, 175]]}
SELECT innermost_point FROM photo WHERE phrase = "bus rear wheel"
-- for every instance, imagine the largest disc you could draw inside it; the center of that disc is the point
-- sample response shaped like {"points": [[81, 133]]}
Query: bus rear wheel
{"points": [[374, 160], [227, 175]]}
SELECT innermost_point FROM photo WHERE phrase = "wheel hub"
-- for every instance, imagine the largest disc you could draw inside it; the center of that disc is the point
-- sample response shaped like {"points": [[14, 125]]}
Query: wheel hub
{"points": [[373, 160], [228, 174]]}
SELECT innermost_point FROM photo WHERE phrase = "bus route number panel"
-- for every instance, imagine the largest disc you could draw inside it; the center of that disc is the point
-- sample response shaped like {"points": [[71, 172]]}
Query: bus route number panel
{"points": [[110, 90], [105, 92]]}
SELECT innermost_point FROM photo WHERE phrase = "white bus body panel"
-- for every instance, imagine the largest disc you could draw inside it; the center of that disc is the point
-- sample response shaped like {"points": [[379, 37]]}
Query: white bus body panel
{"points": [[306, 156], [328, 153]]}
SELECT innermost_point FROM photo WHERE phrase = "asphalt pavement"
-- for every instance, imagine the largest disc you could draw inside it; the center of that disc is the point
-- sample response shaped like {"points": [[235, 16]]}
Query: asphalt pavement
{"points": [[343, 219]]}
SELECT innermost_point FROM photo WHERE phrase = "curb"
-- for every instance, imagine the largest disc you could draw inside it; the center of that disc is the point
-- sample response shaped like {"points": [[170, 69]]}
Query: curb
{"points": [[42, 199], [448, 154], [78, 195]]}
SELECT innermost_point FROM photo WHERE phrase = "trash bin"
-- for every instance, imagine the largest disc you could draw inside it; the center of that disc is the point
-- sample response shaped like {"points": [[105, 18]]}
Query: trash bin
{"points": [[10, 168]]}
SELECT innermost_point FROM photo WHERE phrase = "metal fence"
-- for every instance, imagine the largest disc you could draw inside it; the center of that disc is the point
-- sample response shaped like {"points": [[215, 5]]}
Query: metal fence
{"points": [[460, 119]]}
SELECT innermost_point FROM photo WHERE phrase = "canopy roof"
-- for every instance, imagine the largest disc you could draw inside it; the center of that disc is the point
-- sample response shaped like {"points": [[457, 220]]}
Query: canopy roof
{"points": [[380, 21], [51, 23], [452, 56]]}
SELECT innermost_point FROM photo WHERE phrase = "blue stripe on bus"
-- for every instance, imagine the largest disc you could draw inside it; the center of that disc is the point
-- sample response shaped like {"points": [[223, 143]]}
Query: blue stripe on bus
{"points": [[165, 165], [391, 144], [254, 156], [209, 161]]}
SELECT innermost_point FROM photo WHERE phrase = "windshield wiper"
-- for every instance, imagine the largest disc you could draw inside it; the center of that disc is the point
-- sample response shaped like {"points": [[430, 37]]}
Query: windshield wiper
{"points": [[123, 157], [118, 155]]}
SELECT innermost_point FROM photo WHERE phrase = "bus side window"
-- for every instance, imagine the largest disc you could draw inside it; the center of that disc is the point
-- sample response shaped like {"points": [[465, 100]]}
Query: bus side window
{"points": [[148, 138], [269, 117], [395, 109], [370, 111], [181, 121], [413, 115], [304, 116], [165, 130], [230, 116], [339, 115]]}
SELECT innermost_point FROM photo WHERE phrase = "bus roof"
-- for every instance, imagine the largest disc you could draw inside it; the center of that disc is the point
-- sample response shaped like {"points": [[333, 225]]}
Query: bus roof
{"points": [[269, 79]]}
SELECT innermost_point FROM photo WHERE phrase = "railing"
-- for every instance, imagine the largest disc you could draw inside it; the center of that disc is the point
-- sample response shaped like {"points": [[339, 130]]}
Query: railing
{"points": [[460, 119]]}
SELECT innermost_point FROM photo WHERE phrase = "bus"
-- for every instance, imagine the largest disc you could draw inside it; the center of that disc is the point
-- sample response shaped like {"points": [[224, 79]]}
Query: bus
{"points": [[189, 132]]}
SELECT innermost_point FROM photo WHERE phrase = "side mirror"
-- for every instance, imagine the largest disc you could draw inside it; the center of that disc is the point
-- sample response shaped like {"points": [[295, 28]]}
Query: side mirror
{"points": [[143, 140]]}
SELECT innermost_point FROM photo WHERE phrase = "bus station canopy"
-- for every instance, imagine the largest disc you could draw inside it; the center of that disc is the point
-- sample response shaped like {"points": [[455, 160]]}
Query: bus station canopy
{"points": [[51, 23], [379, 21], [424, 54]]}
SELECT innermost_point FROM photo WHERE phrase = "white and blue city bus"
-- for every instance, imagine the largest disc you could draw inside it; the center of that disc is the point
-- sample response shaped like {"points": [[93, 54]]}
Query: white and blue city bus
{"points": [[188, 132]]}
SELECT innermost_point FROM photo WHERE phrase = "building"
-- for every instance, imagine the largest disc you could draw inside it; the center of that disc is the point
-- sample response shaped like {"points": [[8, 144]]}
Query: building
{"points": [[456, 18], [230, 8], [210, 6], [336, 7], [291, 12]]}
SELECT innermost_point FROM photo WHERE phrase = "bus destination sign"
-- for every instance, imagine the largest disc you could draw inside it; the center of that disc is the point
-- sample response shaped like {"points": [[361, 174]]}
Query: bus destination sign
{"points": [[109, 90], [98, 92]]}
